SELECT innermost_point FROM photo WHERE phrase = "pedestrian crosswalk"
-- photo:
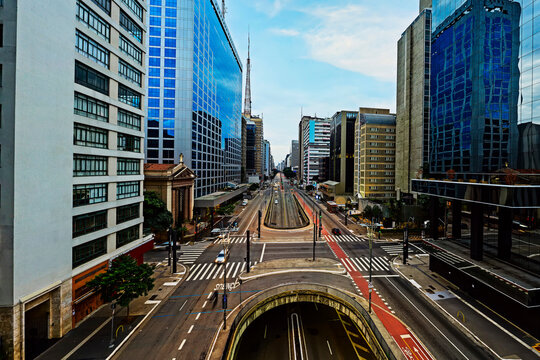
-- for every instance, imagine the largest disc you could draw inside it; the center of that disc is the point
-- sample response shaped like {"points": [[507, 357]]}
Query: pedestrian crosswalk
{"points": [[234, 240], [379, 263], [210, 271], [451, 258], [343, 238], [392, 250], [190, 253]]}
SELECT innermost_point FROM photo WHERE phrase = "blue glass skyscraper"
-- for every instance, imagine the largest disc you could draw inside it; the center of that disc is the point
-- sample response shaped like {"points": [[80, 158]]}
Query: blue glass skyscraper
{"points": [[475, 88], [194, 92]]}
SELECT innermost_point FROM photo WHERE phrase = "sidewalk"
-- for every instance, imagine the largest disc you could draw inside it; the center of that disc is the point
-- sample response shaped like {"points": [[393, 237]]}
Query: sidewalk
{"points": [[459, 311], [90, 339]]}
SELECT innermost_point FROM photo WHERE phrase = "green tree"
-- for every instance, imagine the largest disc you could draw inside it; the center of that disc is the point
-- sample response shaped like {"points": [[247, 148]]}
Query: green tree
{"points": [[156, 216], [289, 173], [253, 187], [309, 187], [124, 281], [395, 209], [377, 212], [368, 212]]}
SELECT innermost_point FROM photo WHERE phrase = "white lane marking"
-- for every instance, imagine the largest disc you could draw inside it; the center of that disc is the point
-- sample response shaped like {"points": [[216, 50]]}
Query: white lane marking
{"points": [[345, 264], [262, 253], [181, 307], [230, 269], [236, 269], [190, 329], [383, 264], [358, 264], [203, 274], [243, 266], [329, 348], [432, 324], [209, 295], [351, 264], [215, 268], [182, 345], [198, 316], [193, 271], [203, 305], [199, 271]]}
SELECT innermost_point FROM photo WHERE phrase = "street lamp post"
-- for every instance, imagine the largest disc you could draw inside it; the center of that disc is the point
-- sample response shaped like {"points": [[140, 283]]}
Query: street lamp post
{"points": [[370, 285]]}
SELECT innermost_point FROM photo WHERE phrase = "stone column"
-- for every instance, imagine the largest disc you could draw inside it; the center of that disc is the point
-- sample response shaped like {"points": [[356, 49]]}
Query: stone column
{"points": [[504, 233], [174, 207], [456, 219], [477, 232]]}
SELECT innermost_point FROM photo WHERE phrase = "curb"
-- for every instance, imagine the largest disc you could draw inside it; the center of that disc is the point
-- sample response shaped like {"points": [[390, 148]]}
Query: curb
{"points": [[334, 272]]}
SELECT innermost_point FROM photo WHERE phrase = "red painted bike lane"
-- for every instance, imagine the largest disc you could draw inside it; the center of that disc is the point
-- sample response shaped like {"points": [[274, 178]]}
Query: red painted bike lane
{"points": [[411, 347]]}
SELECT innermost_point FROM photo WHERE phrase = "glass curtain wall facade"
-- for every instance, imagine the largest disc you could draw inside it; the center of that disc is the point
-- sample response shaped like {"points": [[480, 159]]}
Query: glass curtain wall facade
{"points": [[195, 92], [443, 9], [474, 89]]}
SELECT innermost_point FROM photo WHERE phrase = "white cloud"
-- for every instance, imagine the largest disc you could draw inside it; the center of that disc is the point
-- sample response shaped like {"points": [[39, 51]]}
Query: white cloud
{"points": [[270, 7], [355, 38], [285, 32]]}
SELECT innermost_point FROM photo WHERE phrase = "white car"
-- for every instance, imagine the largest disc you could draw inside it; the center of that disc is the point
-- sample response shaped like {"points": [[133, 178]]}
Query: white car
{"points": [[222, 257], [275, 201], [244, 202]]}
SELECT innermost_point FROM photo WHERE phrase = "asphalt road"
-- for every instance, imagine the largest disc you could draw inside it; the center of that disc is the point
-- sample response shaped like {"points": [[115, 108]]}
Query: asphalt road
{"points": [[184, 325], [283, 211]]}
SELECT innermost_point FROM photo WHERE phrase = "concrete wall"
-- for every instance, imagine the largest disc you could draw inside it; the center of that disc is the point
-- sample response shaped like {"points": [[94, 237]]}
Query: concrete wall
{"points": [[44, 145]]}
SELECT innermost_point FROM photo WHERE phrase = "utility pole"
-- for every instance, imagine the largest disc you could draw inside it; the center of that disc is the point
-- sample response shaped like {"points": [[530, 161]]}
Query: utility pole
{"points": [[225, 295], [169, 247], [370, 284], [405, 245], [247, 252], [320, 223], [259, 227], [314, 239], [174, 238]]}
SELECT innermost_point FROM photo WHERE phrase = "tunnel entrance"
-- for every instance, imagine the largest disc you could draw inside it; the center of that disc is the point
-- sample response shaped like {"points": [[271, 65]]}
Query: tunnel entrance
{"points": [[305, 319], [303, 330]]}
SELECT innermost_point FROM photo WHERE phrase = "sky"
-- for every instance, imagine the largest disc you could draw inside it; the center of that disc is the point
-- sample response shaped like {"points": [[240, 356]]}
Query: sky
{"points": [[317, 57]]}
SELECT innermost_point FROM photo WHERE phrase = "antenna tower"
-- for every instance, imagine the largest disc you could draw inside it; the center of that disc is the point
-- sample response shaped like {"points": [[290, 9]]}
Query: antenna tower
{"points": [[247, 97]]}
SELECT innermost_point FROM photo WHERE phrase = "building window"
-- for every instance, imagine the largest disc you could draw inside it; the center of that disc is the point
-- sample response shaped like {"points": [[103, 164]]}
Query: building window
{"points": [[129, 72], [128, 166], [93, 21], [105, 5], [89, 194], [127, 189], [128, 96], [89, 251], [129, 143], [84, 135], [1, 35], [130, 26], [87, 223], [129, 120], [91, 108], [89, 165], [92, 49], [127, 212], [90, 78], [130, 49], [134, 6], [126, 236]]}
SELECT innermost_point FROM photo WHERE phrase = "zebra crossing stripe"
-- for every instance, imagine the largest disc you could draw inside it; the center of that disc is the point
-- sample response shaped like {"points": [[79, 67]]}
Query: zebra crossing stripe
{"points": [[351, 264], [357, 263], [203, 271], [193, 272], [345, 264]]}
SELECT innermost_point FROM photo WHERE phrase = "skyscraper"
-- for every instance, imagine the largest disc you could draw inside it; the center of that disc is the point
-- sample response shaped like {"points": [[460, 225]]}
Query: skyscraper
{"points": [[412, 101], [375, 155], [314, 143], [294, 155], [341, 166], [194, 92], [474, 88], [71, 174]]}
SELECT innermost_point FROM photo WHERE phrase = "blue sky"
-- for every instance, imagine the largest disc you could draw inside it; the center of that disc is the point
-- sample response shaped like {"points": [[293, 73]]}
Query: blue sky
{"points": [[319, 56]]}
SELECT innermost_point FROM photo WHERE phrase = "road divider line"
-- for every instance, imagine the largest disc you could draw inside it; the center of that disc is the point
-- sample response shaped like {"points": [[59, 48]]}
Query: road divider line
{"points": [[181, 307], [182, 344], [198, 316], [190, 329], [262, 253]]}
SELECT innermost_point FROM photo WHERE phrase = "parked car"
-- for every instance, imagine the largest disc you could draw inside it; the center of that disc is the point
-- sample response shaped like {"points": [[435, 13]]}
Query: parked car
{"points": [[336, 231], [222, 257]]}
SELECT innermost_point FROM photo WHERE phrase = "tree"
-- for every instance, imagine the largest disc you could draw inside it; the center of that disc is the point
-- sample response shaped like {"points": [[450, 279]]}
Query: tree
{"points": [[309, 187], [253, 187], [395, 209], [156, 215], [368, 212], [377, 212], [124, 281], [289, 173]]}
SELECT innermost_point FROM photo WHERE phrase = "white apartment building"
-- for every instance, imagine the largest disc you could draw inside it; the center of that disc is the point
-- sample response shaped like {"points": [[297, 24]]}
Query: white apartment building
{"points": [[71, 159], [314, 144]]}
